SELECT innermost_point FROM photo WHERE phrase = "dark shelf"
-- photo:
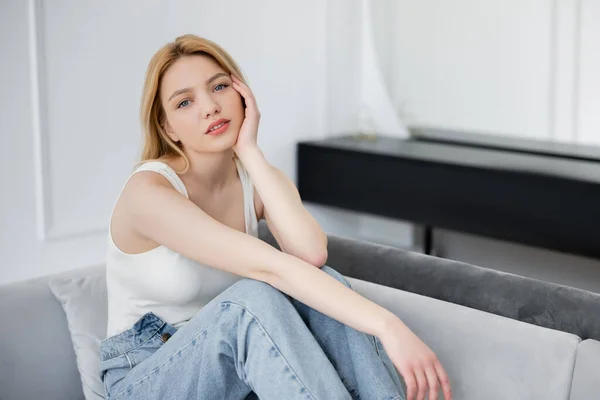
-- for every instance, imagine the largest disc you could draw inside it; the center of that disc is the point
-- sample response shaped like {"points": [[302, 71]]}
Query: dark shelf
{"points": [[521, 194]]}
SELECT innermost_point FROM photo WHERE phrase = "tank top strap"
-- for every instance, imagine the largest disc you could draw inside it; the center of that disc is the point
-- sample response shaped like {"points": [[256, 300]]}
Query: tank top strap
{"points": [[248, 188], [157, 166], [165, 170]]}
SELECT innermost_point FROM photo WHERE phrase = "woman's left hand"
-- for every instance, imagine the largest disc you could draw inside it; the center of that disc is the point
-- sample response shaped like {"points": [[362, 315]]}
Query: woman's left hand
{"points": [[247, 137], [416, 362]]}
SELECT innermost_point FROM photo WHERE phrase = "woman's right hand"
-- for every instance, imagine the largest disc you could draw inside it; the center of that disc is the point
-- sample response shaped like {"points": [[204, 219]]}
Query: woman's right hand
{"points": [[417, 363]]}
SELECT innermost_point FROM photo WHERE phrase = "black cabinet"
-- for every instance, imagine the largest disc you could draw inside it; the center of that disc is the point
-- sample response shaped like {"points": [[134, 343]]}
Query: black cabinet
{"points": [[536, 193]]}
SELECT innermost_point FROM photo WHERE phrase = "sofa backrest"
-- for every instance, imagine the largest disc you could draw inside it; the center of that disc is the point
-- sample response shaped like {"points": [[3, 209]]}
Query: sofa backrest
{"points": [[525, 299]]}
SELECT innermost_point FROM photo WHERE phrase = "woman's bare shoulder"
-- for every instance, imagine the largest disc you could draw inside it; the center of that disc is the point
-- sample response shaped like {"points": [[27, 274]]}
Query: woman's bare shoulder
{"points": [[123, 231], [153, 210]]}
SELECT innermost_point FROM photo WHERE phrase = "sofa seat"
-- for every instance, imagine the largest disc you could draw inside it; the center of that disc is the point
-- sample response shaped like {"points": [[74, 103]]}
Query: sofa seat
{"points": [[586, 377], [487, 356]]}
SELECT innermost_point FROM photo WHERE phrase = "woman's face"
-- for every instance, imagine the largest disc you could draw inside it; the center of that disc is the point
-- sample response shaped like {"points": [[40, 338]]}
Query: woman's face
{"points": [[196, 92]]}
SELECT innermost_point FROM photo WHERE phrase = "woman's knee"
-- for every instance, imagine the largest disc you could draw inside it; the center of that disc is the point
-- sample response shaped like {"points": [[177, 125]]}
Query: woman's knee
{"points": [[254, 293], [330, 271]]}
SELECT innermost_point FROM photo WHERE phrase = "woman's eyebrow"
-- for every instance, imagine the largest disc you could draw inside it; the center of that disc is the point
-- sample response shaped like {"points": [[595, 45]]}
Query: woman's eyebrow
{"points": [[188, 89], [215, 76], [179, 91]]}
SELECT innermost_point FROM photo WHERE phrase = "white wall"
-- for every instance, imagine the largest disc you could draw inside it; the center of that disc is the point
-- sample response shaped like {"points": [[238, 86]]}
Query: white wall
{"points": [[69, 104], [511, 67], [69, 107], [588, 89]]}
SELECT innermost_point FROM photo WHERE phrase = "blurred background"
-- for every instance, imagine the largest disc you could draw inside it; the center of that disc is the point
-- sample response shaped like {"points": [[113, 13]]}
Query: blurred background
{"points": [[71, 75]]}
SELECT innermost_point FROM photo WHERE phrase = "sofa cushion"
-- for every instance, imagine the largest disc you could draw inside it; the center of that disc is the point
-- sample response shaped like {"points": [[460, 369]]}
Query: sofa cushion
{"points": [[84, 302], [36, 354], [586, 378], [486, 356]]}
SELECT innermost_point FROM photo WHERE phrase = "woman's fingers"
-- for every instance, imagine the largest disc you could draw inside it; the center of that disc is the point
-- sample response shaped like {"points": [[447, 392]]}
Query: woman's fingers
{"points": [[422, 382], [245, 91], [444, 381], [415, 361], [432, 381], [429, 377], [251, 106], [411, 384]]}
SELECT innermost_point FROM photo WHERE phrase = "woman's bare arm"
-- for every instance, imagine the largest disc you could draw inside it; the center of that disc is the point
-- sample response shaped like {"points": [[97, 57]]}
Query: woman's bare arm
{"points": [[320, 291], [155, 210], [158, 212], [296, 231]]}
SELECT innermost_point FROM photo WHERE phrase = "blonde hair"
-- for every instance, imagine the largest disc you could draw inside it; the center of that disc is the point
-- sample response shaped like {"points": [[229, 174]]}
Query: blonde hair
{"points": [[156, 143]]}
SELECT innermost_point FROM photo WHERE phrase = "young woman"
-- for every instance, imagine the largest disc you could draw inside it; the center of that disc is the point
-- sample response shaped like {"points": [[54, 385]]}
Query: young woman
{"points": [[198, 306]]}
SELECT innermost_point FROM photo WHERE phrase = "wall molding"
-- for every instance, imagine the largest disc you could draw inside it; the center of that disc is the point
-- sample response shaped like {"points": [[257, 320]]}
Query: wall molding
{"points": [[47, 228], [565, 34], [589, 79]]}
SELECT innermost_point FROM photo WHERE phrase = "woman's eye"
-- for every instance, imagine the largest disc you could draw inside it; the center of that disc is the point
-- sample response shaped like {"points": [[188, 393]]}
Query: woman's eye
{"points": [[179, 105], [222, 84]]}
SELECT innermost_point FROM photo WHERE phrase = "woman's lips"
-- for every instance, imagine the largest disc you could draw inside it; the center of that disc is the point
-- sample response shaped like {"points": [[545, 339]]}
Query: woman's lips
{"points": [[219, 130]]}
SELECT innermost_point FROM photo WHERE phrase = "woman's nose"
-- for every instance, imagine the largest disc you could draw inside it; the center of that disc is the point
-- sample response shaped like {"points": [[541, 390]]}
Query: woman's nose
{"points": [[212, 107]]}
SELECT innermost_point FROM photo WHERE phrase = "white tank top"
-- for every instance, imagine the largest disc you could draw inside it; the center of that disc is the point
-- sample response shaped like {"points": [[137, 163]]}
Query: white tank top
{"points": [[160, 280]]}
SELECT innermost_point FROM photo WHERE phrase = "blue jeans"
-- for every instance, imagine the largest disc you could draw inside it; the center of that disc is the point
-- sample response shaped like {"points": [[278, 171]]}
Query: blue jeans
{"points": [[251, 341]]}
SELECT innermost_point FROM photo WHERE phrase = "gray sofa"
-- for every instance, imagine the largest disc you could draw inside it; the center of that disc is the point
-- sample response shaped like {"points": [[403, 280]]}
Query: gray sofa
{"points": [[499, 336]]}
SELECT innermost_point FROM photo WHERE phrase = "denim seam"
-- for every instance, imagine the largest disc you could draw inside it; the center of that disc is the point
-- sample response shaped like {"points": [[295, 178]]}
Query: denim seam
{"points": [[272, 342], [168, 358], [376, 346], [155, 333], [129, 361]]}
